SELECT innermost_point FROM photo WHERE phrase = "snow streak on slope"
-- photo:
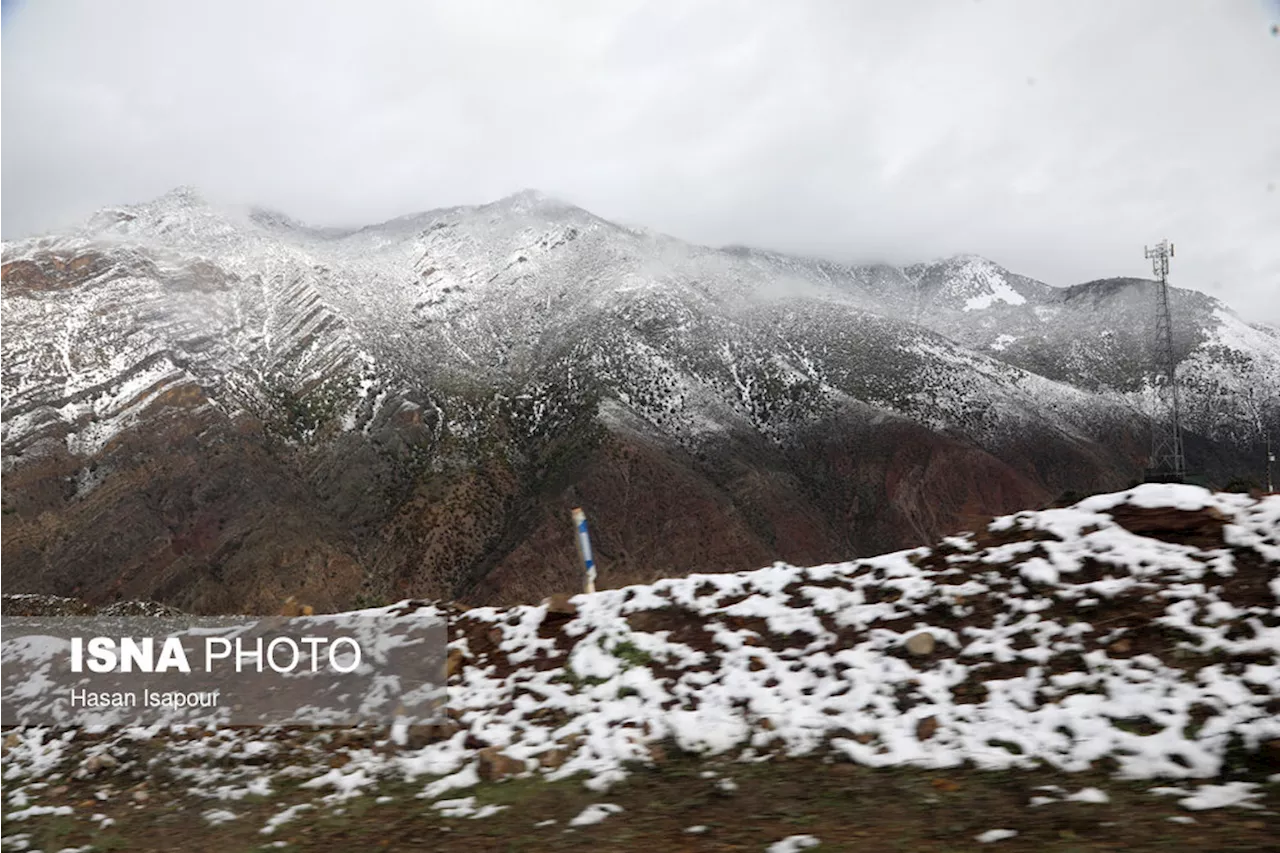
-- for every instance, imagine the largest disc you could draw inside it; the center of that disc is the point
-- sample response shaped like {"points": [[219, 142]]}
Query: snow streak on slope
{"points": [[84, 368], [261, 312], [172, 295]]}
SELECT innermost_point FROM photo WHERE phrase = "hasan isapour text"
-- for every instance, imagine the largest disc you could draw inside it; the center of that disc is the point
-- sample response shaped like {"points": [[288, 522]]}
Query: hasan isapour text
{"points": [[85, 698]]}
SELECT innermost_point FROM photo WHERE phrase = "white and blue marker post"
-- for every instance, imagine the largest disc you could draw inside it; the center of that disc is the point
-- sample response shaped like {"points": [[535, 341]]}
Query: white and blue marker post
{"points": [[584, 549]]}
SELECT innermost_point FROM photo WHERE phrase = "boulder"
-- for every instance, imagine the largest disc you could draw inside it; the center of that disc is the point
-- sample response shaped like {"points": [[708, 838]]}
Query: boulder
{"points": [[453, 665], [921, 644], [560, 605], [553, 758], [95, 764], [495, 764]]}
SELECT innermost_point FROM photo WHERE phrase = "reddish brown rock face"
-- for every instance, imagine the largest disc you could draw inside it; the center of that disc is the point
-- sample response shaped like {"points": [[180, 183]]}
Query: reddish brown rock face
{"points": [[221, 531], [51, 271], [657, 512], [240, 523]]}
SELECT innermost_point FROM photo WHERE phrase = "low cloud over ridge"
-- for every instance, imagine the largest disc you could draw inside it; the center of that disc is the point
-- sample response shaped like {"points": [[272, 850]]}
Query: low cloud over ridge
{"points": [[1055, 139]]}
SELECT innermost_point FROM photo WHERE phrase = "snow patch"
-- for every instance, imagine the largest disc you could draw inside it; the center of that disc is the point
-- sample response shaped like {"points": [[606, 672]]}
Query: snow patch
{"points": [[594, 813], [993, 835]]}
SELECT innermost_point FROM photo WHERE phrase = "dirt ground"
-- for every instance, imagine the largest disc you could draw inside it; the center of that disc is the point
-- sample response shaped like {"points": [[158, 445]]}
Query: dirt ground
{"points": [[845, 806]]}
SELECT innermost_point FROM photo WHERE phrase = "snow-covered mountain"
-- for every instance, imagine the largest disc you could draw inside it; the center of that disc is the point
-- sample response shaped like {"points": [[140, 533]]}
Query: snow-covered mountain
{"points": [[256, 407]]}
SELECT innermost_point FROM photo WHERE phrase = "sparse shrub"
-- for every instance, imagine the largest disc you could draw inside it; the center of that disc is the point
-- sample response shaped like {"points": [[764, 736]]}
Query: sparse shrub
{"points": [[632, 655]]}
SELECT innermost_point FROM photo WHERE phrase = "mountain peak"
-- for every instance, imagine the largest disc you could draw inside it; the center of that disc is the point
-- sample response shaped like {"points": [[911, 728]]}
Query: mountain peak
{"points": [[182, 216], [528, 200], [969, 282], [968, 260], [274, 219], [184, 195]]}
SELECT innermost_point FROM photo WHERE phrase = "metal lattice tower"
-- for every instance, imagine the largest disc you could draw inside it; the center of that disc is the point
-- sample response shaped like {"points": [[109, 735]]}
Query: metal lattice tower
{"points": [[917, 303], [1167, 463]]}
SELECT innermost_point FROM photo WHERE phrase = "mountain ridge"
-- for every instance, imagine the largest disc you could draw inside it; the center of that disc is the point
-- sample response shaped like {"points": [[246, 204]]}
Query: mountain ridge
{"points": [[423, 398]]}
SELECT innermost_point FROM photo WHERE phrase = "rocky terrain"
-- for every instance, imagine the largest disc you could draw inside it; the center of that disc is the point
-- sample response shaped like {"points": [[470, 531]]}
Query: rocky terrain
{"points": [[1099, 676], [220, 408]]}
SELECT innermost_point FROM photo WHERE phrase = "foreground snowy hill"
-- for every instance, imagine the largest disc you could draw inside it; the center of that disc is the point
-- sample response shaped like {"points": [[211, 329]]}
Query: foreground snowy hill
{"points": [[1132, 636], [256, 408]]}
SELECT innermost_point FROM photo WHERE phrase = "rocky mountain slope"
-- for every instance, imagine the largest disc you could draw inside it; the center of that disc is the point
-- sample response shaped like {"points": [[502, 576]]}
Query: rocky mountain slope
{"points": [[219, 408]]}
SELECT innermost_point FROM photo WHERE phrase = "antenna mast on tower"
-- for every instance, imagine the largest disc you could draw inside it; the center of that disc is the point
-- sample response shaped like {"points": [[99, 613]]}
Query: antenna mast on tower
{"points": [[1167, 463], [1271, 458]]}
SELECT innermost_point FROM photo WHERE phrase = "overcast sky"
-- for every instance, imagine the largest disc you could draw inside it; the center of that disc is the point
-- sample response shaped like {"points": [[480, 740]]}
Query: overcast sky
{"points": [[1054, 137]]}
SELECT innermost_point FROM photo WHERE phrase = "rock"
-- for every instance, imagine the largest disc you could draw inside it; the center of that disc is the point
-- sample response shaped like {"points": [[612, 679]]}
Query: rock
{"points": [[454, 663], [420, 736], [926, 728], [1271, 752], [95, 764], [141, 796], [1202, 528], [560, 604], [921, 644], [553, 758], [352, 737], [495, 764]]}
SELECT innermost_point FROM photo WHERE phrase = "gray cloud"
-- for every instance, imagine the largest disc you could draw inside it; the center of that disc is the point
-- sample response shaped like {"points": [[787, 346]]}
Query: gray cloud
{"points": [[1054, 138]]}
